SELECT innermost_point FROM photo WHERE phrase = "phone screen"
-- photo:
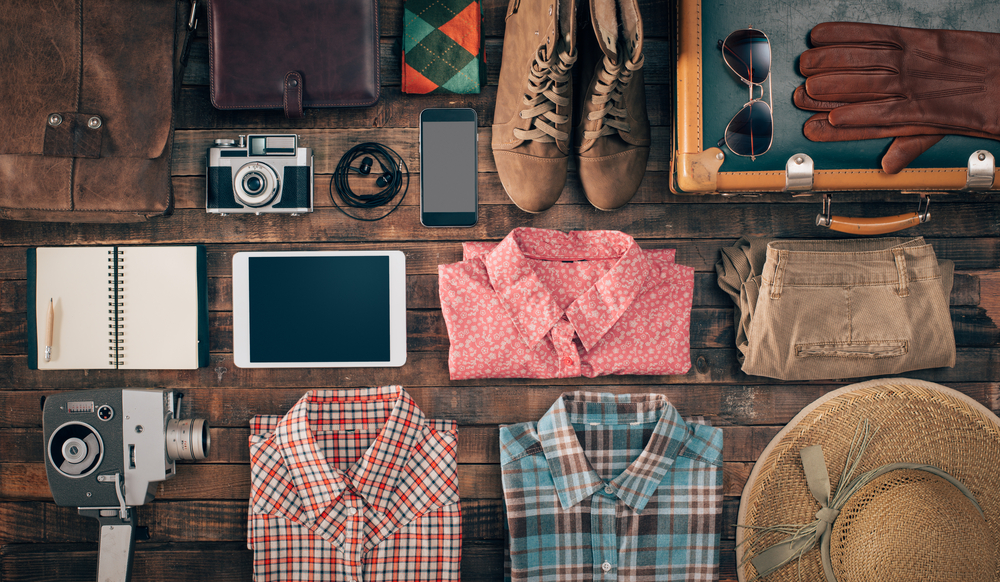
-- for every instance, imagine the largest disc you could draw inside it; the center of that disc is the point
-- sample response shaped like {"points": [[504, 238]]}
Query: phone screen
{"points": [[448, 169]]}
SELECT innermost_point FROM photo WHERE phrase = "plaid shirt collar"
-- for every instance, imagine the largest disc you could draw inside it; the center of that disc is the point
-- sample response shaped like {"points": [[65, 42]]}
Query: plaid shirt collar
{"points": [[373, 476], [529, 303], [575, 479]]}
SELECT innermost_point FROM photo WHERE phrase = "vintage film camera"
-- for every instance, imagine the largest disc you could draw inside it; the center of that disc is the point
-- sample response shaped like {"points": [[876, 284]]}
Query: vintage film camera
{"points": [[261, 173], [105, 452]]}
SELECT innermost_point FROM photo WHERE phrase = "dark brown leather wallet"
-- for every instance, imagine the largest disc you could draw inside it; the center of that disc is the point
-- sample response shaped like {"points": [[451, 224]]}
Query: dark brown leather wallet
{"points": [[291, 54]]}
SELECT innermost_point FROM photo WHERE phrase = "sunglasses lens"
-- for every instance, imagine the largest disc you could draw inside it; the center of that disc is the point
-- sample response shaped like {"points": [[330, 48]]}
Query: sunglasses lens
{"points": [[749, 133], [749, 54]]}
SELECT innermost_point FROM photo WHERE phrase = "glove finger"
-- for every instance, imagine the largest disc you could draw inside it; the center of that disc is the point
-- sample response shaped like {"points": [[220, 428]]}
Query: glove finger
{"points": [[829, 33], [905, 149], [819, 128], [902, 151], [854, 87], [802, 100], [888, 113], [849, 58]]}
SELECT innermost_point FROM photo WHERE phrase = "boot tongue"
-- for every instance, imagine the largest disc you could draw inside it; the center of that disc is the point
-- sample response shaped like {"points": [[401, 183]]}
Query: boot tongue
{"points": [[631, 29], [567, 24], [603, 13]]}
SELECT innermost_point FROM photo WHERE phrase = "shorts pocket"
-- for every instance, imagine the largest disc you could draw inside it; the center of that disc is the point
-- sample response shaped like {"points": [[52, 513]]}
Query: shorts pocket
{"points": [[870, 350]]}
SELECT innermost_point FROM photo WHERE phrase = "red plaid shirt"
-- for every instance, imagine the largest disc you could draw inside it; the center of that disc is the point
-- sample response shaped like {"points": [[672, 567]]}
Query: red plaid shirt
{"points": [[549, 304], [354, 485]]}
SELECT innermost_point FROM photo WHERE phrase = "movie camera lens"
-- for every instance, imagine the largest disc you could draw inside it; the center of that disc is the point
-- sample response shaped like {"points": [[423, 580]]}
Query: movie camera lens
{"points": [[188, 439]]}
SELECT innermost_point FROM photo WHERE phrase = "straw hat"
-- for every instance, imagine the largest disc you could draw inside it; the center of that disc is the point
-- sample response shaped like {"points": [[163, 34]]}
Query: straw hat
{"points": [[920, 498]]}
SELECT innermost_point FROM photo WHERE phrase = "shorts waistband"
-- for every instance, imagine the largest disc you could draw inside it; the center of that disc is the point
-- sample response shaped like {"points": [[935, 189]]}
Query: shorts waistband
{"points": [[849, 262]]}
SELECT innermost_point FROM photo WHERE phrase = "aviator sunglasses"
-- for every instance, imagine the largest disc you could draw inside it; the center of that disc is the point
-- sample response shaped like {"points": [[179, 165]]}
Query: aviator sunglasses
{"points": [[747, 52]]}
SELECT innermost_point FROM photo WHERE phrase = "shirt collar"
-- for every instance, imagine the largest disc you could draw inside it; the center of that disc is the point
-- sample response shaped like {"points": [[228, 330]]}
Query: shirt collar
{"points": [[574, 477], [529, 303], [375, 473]]}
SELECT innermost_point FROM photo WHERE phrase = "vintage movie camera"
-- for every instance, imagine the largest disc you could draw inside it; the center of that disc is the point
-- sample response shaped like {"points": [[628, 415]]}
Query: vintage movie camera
{"points": [[259, 174], [105, 452]]}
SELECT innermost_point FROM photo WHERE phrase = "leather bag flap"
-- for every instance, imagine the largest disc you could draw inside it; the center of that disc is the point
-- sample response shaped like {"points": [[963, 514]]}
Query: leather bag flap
{"points": [[96, 82]]}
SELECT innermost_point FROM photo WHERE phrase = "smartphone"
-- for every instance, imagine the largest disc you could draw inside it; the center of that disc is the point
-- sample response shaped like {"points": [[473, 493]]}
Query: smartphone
{"points": [[449, 188]]}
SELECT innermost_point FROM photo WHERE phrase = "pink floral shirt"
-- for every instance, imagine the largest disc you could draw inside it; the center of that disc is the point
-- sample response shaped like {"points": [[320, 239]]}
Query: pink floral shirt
{"points": [[548, 304]]}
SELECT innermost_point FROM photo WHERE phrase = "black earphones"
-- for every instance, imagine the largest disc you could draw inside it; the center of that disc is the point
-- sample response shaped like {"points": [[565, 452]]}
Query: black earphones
{"points": [[366, 166], [390, 180]]}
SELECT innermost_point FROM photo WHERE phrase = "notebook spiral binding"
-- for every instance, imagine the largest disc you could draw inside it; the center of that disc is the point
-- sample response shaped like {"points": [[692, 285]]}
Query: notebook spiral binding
{"points": [[116, 352]]}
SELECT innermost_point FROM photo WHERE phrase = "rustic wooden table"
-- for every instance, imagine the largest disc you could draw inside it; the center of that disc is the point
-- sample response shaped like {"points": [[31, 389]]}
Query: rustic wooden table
{"points": [[198, 520]]}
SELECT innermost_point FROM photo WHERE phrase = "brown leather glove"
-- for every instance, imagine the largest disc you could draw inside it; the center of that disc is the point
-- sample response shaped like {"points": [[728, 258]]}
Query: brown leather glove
{"points": [[901, 152], [874, 81]]}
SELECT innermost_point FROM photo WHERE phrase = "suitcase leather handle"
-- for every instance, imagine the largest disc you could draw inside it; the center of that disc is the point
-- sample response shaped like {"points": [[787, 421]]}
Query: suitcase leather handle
{"points": [[869, 226], [877, 225]]}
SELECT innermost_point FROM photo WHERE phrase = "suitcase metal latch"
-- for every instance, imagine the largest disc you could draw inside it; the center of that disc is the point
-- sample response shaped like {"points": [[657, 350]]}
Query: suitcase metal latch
{"points": [[981, 169], [799, 173]]}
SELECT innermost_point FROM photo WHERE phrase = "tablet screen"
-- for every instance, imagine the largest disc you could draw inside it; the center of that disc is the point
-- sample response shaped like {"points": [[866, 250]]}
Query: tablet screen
{"points": [[319, 309]]}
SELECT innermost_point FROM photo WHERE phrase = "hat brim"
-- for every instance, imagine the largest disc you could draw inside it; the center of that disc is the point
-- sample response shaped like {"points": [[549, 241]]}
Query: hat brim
{"points": [[917, 422]]}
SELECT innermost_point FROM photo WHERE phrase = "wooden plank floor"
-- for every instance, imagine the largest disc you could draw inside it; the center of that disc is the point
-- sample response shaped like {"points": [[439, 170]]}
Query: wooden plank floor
{"points": [[198, 521]]}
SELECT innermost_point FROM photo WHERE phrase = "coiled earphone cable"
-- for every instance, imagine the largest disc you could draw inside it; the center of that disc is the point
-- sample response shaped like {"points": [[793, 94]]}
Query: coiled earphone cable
{"points": [[392, 180]]}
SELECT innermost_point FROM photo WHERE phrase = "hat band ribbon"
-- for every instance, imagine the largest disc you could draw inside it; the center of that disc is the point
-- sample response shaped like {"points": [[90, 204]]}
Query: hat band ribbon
{"points": [[818, 480]]}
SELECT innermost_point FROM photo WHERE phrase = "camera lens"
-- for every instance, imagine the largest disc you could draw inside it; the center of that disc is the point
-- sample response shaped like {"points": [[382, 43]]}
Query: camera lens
{"points": [[255, 184], [252, 183], [188, 439]]}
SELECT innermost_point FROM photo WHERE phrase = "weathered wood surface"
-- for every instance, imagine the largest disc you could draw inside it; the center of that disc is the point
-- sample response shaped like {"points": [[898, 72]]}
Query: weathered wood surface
{"points": [[198, 521]]}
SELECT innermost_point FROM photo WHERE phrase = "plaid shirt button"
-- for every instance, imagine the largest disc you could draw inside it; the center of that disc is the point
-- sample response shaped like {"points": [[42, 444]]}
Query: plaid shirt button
{"points": [[609, 490], [606, 566], [352, 512]]}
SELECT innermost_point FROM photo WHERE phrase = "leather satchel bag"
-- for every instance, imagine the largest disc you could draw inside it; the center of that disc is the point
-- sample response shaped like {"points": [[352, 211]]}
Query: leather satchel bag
{"points": [[293, 54], [86, 109]]}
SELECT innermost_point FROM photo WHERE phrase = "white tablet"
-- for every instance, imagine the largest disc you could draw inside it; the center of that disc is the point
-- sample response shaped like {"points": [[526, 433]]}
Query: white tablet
{"points": [[316, 309]]}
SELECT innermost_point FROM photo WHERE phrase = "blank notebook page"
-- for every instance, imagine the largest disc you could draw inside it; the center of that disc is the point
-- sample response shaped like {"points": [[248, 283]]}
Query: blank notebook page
{"points": [[76, 279], [159, 312]]}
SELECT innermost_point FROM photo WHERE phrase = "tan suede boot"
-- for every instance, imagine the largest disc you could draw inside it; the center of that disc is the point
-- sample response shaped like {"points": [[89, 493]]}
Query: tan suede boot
{"points": [[531, 122], [612, 138]]}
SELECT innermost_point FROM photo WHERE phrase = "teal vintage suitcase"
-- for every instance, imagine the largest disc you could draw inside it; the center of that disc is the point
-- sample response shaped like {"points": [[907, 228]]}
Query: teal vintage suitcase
{"points": [[708, 95]]}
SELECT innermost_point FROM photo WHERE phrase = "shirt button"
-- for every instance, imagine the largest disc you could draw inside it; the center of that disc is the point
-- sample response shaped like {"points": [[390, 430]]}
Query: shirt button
{"points": [[609, 490], [606, 566], [352, 511], [567, 361]]}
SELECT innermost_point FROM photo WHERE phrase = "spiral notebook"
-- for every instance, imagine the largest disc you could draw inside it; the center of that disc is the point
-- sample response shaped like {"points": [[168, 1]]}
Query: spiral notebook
{"points": [[137, 307]]}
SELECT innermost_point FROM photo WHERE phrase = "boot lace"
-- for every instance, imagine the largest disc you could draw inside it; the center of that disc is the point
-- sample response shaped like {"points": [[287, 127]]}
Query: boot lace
{"points": [[548, 81], [609, 92]]}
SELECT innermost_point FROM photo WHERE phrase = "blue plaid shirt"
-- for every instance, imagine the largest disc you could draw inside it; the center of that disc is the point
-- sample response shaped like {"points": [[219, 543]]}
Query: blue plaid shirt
{"points": [[608, 487]]}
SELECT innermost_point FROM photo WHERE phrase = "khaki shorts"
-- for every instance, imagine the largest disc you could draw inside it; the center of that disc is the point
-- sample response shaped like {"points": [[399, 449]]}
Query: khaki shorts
{"points": [[819, 310]]}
